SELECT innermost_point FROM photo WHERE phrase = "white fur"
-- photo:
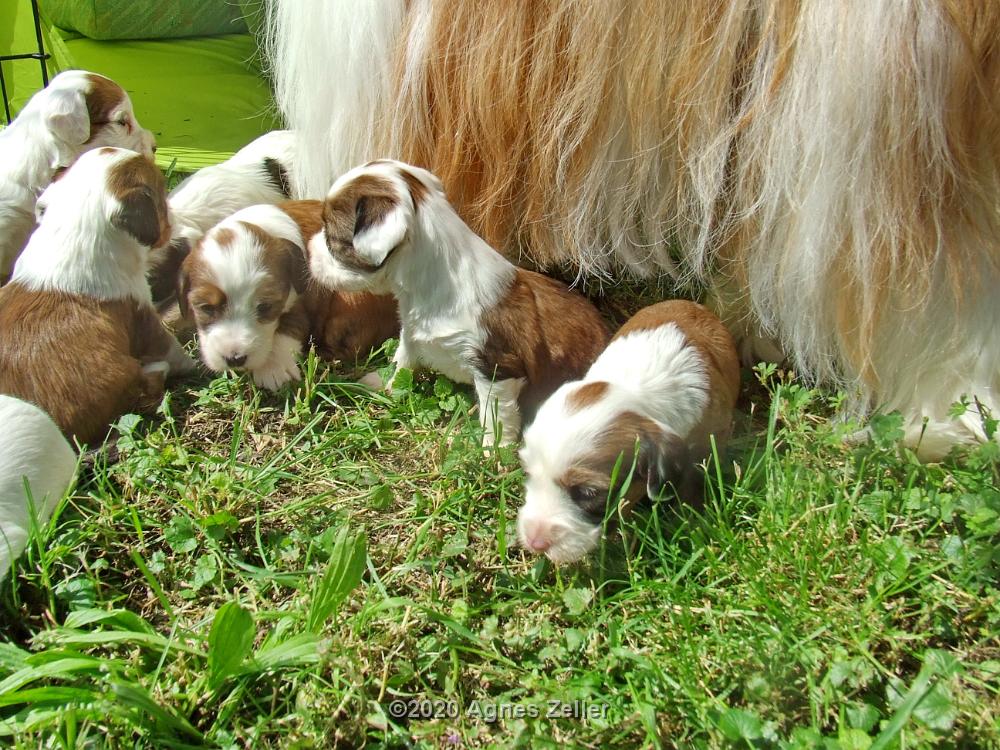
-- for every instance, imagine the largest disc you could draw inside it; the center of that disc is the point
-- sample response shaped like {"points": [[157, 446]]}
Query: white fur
{"points": [[334, 81], [76, 249], [238, 270], [444, 277], [50, 132], [213, 193], [32, 449], [652, 373]]}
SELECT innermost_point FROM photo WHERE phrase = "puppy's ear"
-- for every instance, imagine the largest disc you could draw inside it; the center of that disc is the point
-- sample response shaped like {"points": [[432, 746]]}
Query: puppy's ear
{"points": [[139, 216], [380, 225], [164, 267], [66, 116], [295, 265], [667, 465]]}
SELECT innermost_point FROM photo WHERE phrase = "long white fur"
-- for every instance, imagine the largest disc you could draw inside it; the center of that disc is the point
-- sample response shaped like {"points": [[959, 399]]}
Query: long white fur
{"points": [[341, 107], [50, 132], [211, 194], [789, 172], [444, 278], [238, 270], [32, 449], [76, 249], [652, 373]]}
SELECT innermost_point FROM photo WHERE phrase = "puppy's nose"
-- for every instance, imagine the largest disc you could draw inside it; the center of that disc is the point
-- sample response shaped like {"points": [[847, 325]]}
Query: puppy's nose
{"points": [[539, 535], [237, 360]]}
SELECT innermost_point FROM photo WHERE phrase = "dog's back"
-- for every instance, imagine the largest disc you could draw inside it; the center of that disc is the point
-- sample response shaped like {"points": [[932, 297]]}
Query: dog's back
{"points": [[76, 357]]}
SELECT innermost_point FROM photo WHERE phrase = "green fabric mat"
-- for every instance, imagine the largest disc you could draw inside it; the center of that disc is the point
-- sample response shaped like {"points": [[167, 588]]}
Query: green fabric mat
{"points": [[199, 96]]}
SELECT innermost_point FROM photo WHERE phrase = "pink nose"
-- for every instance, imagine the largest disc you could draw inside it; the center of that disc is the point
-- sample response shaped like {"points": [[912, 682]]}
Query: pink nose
{"points": [[539, 535]]}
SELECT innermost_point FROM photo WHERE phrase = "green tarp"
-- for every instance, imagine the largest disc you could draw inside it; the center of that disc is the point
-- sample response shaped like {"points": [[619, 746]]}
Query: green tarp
{"points": [[201, 96]]}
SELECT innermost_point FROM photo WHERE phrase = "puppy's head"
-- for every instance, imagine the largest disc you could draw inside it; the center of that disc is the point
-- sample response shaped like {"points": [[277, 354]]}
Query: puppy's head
{"points": [[368, 220], [96, 224], [108, 185], [569, 455], [238, 281], [84, 110]]}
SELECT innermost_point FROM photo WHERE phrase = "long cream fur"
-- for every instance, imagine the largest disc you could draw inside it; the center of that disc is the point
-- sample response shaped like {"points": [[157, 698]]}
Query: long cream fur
{"points": [[833, 168]]}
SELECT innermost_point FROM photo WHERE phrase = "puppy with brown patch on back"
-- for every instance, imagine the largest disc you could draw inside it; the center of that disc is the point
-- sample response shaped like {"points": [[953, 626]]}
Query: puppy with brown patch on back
{"points": [[78, 333], [666, 384], [464, 309], [78, 111], [246, 286]]}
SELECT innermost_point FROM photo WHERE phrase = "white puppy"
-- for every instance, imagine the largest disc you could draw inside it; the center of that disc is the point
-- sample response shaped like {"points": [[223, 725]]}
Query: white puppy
{"points": [[76, 112], [464, 309], [668, 382], [33, 451]]}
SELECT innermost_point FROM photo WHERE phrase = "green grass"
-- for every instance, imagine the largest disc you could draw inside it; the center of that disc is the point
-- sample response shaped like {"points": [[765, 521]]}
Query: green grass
{"points": [[263, 570]]}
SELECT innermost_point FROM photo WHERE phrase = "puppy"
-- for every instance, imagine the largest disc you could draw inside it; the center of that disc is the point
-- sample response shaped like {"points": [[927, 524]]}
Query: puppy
{"points": [[464, 309], [78, 332], [257, 173], [668, 382], [78, 111], [32, 450], [245, 285]]}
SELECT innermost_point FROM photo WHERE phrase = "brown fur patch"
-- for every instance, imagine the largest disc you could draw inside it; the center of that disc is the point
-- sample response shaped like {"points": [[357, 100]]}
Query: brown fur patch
{"points": [[346, 326], [103, 98], [418, 190], [543, 332], [79, 359], [586, 395], [224, 237], [140, 187]]}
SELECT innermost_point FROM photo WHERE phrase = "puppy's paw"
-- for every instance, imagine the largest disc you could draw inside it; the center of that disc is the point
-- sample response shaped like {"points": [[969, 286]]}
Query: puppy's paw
{"points": [[280, 369]]}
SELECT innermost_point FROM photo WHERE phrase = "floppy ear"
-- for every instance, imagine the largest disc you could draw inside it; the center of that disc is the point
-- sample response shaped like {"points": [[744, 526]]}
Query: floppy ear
{"points": [[164, 267], [666, 463], [380, 225], [138, 216], [66, 116], [295, 265]]}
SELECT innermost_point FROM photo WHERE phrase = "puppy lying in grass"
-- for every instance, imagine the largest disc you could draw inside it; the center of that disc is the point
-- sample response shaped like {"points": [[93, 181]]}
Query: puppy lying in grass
{"points": [[464, 309], [667, 384], [247, 288], [78, 333]]}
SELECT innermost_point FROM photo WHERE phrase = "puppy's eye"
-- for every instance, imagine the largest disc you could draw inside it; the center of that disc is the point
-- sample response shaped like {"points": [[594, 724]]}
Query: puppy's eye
{"points": [[125, 123], [207, 310], [591, 500], [264, 309]]}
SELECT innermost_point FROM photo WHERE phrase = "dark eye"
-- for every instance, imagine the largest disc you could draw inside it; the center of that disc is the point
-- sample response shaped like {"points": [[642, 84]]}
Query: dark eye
{"points": [[125, 123], [591, 500], [264, 309], [207, 309]]}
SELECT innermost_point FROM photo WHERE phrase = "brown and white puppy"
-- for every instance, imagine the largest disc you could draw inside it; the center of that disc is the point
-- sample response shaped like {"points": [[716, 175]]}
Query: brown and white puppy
{"points": [[257, 173], [78, 332], [464, 309], [667, 382], [245, 285], [76, 112]]}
